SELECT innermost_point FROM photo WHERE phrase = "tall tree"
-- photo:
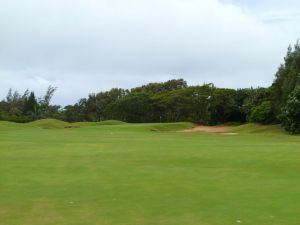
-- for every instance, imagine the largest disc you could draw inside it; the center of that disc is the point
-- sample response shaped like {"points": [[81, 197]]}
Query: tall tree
{"points": [[286, 77], [31, 105], [291, 111], [45, 109]]}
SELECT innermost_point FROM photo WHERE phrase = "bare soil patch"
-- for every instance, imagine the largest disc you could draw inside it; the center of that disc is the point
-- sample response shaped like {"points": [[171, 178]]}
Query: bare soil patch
{"points": [[210, 129]]}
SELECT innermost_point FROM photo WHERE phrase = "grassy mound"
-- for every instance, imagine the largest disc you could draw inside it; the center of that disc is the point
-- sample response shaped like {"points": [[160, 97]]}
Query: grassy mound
{"points": [[105, 122], [57, 124], [8, 125], [257, 128], [49, 124], [112, 122], [160, 127]]}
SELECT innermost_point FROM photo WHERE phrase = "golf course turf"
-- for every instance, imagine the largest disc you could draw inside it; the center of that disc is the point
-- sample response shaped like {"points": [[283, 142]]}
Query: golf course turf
{"points": [[114, 173]]}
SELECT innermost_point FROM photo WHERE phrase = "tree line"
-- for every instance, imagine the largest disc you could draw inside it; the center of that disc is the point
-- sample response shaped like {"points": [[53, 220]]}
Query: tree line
{"points": [[26, 107], [170, 101], [174, 101]]}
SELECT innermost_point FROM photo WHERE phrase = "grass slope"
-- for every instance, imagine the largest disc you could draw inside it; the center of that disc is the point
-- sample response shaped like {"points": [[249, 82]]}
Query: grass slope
{"points": [[171, 126], [58, 124], [129, 175], [106, 122], [257, 128], [48, 124]]}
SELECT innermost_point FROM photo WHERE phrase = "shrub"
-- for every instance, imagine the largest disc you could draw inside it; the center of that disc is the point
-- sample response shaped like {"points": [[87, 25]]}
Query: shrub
{"points": [[262, 113]]}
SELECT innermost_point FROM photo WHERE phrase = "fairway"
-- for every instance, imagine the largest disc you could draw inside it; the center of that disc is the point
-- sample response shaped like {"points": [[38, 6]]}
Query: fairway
{"points": [[147, 174]]}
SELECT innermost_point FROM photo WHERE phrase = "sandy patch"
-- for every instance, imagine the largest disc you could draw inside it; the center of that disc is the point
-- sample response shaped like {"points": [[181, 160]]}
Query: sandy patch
{"points": [[210, 129]]}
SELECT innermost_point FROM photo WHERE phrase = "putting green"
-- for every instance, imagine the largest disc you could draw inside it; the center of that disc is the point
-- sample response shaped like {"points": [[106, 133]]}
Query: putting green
{"points": [[147, 174]]}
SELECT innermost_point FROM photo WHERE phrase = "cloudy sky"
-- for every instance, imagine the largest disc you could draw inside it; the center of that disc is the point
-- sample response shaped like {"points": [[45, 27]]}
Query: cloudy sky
{"points": [[84, 46]]}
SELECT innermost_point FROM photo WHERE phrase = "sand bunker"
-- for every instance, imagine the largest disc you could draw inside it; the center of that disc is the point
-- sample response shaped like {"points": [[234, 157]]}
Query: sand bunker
{"points": [[210, 129]]}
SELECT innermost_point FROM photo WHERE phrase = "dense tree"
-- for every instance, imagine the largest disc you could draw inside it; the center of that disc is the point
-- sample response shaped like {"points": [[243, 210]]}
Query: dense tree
{"points": [[188, 104], [45, 109], [30, 105], [291, 111], [94, 107], [170, 101], [223, 106], [249, 98], [25, 107], [104, 99], [285, 90], [76, 112], [134, 108], [154, 88], [262, 113], [286, 77]]}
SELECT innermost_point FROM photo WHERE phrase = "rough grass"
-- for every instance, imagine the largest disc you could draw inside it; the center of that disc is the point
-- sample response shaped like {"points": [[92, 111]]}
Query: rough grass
{"points": [[106, 122], [257, 128], [7, 125], [58, 124], [170, 126], [48, 124], [129, 175]]}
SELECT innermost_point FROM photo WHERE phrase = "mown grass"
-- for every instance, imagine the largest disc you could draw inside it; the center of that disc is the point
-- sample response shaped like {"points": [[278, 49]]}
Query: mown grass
{"points": [[128, 174]]}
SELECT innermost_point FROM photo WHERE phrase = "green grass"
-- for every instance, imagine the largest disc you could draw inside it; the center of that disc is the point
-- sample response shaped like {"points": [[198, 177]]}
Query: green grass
{"points": [[106, 122], [57, 124], [129, 174], [257, 128], [48, 124]]}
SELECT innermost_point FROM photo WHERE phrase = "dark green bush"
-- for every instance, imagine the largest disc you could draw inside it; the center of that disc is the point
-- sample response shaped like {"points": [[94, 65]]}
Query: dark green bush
{"points": [[262, 113]]}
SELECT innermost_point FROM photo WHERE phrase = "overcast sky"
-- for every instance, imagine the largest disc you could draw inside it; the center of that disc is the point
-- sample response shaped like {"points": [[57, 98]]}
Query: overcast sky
{"points": [[84, 46]]}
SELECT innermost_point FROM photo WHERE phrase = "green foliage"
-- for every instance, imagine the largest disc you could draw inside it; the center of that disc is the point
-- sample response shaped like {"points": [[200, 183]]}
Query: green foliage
{"points": [[94, 107], [262, 113], [31, 106], [286, 78], [154, 88], [249, 98], [132, 108], [170, 101], [223, 106], [26, 108], [45, 109], [291, 112], [285, 91], [189, 104]]}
